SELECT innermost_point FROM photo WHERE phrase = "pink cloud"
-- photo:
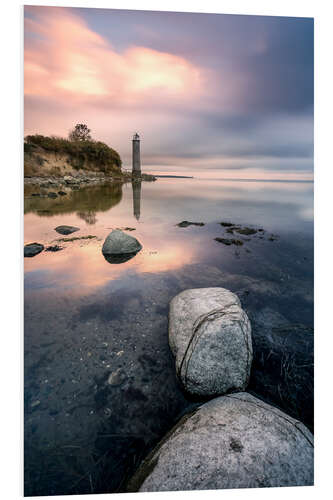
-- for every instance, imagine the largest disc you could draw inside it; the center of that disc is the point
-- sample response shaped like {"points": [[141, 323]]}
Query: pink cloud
{"points": [[65, 59]]}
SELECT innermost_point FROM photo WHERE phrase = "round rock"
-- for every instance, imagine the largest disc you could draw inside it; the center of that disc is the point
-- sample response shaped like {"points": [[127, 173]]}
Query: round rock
{"points": [[210, 337], [66, 229], [33, 249], [233, 441], [119, 247]]}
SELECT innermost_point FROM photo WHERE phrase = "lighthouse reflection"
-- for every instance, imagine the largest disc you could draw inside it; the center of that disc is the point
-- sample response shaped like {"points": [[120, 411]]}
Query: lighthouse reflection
{"points": [[136, 188]]}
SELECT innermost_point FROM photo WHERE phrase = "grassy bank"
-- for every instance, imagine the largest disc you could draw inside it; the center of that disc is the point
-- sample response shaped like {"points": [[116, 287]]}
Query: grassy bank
{"points": [[44, 156]]}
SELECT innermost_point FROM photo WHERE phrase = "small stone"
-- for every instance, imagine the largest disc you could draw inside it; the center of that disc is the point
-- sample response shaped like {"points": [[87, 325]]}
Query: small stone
{"points": [[119, 247], [186, 223], [227, 224], [246, 230], [66, 229], [70, 180], [229, 241], [53, 248], [32, 249], [117, 377]]}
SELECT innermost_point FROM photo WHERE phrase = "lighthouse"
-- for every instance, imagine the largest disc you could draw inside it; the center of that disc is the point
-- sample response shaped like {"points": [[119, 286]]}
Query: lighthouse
{"points": [[136, 163]]}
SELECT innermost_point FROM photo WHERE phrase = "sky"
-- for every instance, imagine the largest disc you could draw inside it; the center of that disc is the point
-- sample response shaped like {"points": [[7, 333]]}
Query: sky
{"points": [[213, 95]]}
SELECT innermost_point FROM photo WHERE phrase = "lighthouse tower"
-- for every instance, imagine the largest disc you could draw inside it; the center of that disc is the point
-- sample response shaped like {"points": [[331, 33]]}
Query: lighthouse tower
{"points": [[136, 168]]}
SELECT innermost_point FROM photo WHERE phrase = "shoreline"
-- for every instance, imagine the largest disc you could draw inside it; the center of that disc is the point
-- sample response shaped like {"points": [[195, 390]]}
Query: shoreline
{"points": [[88, 178]]}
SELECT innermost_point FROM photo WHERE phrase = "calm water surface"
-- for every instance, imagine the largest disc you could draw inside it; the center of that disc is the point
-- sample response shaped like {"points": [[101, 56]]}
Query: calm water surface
{"points": [[100, 385]]}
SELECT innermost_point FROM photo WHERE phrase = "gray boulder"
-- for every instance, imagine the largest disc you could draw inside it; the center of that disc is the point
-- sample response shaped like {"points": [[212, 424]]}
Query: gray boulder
{"points": [[210, 337], [233, 441], [66, 229], [32, 249], [119, 247]]}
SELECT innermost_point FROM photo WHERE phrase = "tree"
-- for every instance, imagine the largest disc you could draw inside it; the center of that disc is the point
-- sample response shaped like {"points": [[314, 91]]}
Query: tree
{"points": [[80, 133]]}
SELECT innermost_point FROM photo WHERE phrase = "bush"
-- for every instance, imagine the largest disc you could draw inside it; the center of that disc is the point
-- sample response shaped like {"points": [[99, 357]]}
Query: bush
{"points": [[96, 153], [29, 148]]}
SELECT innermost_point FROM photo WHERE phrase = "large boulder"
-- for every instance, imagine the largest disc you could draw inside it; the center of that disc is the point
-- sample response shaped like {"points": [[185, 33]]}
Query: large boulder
{"points": [[32, 249], [210, 337], [119, 247], [233, 441]]}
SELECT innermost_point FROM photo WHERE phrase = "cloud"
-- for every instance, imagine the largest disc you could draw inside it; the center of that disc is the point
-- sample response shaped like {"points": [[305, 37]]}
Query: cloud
{"points": [[206, 92], [65, 59]]}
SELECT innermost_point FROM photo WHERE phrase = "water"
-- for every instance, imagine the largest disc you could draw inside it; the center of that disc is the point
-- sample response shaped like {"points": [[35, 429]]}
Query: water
{"points": [[86, 319]]}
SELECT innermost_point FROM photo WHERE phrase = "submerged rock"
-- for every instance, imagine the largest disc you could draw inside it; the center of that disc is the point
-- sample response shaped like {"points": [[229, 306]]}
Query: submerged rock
{"points": [[66, 229], [119, 247], [53, 248], [246, 230], [33, 249], [210, 337], [62, 193], [51, 194], [229, 241], [76, 238], [227, 224], [117, 377], [186, 223], [234, 441]]}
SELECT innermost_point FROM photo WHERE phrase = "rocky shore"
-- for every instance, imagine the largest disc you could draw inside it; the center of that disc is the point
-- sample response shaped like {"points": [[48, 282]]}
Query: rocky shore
{"points": [[84, 178]]}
